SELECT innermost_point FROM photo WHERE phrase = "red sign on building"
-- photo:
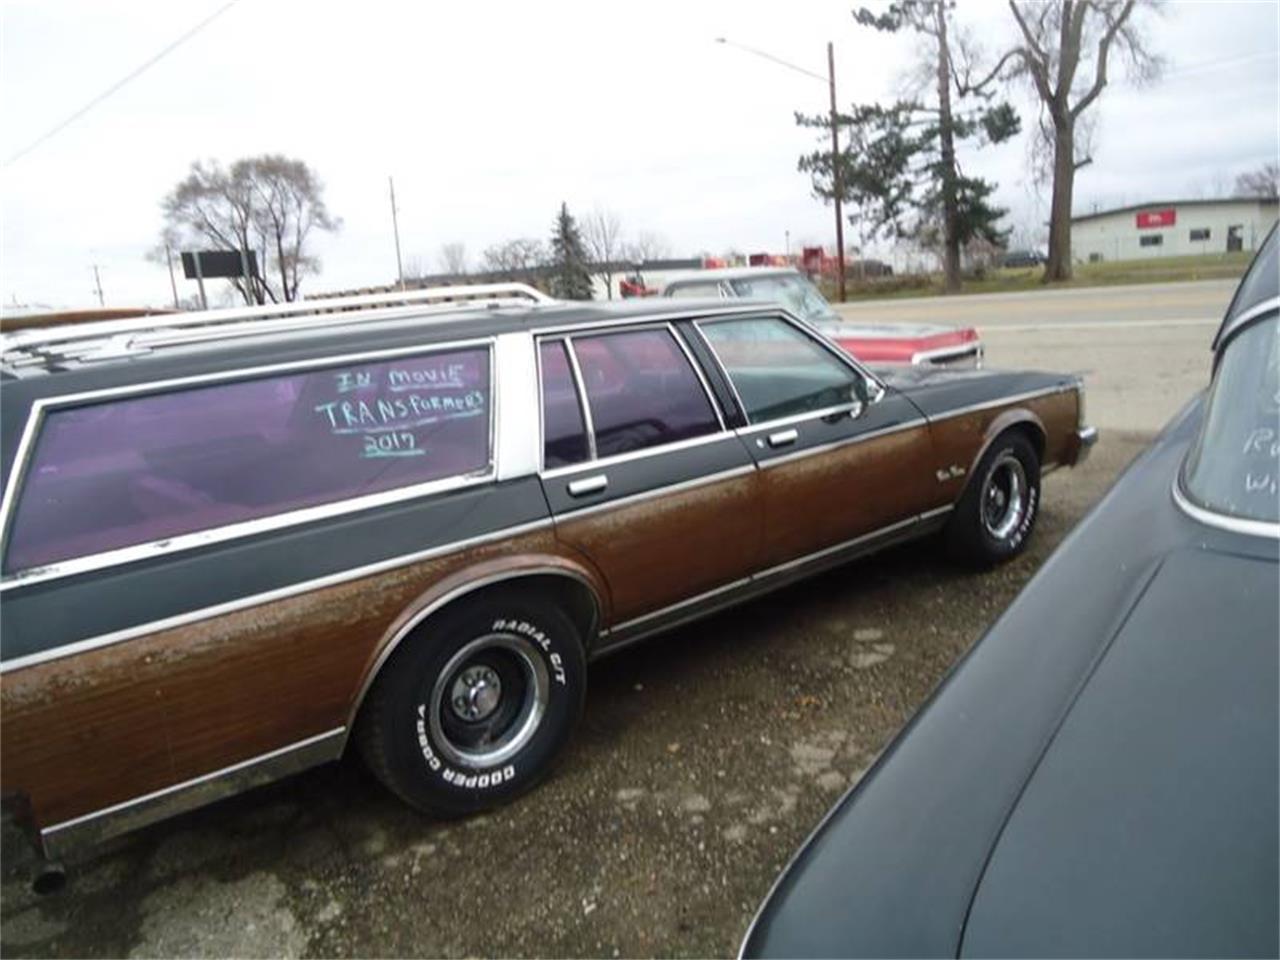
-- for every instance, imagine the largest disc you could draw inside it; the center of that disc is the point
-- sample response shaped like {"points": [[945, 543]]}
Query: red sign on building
{"points": [[1148, 219]]}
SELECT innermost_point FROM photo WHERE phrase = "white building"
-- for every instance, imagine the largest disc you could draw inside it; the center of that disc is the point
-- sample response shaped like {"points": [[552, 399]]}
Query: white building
{"points": [[1176, 228]]}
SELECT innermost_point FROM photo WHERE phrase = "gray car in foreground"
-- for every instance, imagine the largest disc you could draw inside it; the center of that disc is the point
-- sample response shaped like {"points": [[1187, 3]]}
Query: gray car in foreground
{"points": [[1099, 776]]}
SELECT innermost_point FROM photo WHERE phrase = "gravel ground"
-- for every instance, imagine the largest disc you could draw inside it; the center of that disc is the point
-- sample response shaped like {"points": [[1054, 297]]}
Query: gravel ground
{"points": [[704, 759]]}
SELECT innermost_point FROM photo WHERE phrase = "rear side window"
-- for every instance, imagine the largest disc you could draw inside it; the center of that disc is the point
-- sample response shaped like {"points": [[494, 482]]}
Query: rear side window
{"points": [[642, 391], [564, 435], [147, 468], [777, 370]]}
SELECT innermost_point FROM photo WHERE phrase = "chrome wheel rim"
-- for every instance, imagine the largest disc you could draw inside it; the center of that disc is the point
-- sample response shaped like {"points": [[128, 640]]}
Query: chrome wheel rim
{"points": [[1004, 496], [489, 700]]}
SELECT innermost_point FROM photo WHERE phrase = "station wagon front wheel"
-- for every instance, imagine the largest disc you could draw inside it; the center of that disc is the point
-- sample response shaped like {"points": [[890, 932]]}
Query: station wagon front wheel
{"points": [[475, 705], [996, 514]]}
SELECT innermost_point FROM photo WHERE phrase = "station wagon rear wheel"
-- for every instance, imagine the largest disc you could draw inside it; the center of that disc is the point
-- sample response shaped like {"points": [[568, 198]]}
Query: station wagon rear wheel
{"points": [[476, 704], [998, 510]]}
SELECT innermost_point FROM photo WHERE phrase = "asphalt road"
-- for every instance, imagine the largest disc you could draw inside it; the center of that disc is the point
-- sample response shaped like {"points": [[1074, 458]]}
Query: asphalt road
{"points": [[704, 759], [1142, 349]]}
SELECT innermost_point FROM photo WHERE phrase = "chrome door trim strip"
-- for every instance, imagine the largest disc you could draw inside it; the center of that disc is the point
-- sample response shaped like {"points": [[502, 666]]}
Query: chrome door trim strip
{"points": [[253, 600], [1253, 528], [90, 828], [1003, 401], [664, 491], [245, 528], [767, 425], [236, 531], [836, 548], [588, 466], [765, 579], [837, 444], [665, 611]]}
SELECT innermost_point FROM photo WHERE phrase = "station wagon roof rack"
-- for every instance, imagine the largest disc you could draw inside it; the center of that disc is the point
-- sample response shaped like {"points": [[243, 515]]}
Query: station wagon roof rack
{"points": [[114, 339]]}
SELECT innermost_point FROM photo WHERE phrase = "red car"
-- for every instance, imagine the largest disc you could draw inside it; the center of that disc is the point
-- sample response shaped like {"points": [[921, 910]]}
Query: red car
{"points": [[913, 344], [906, 343]]}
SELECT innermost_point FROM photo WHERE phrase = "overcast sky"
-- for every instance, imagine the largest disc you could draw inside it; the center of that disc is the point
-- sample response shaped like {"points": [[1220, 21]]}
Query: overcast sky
{"points": [[489, 115]]}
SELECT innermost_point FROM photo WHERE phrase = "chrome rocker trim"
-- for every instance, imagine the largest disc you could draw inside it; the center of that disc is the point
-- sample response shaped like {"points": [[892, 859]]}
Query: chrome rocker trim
{"points": [[765, 581], [92, 828]]}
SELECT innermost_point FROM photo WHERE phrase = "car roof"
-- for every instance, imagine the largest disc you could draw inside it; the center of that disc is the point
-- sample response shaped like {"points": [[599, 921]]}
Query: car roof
{"points": [[733, 273], [230, 338], [1261, 284]]}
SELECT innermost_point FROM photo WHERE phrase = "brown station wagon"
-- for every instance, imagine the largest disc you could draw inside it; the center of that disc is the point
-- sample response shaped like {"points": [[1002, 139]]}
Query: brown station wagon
{"points": [[238, 543]]}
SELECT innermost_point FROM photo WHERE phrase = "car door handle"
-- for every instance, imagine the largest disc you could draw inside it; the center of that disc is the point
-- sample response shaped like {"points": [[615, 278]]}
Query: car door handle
{"points": [[588, 485], [784, 437]]}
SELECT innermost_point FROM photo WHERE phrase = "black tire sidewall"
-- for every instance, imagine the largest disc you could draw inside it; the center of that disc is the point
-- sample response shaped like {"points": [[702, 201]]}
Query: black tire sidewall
{"points": [[422, 772]]}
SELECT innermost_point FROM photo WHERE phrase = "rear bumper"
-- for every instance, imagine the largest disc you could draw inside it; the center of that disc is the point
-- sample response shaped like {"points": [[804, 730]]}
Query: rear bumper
{"points": [[1085, 438]]}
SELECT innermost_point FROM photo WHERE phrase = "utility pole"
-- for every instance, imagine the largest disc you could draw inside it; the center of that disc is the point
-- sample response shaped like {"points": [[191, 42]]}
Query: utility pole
{"points": [[97, 283], [395, 225], [837, 180], [173, 284]]}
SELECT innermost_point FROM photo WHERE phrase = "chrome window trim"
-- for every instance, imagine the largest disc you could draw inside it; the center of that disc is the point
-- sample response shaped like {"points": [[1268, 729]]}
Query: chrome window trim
{"points": [[168, 801], [1236, 324], [1223, 521], [245, 528], [584, 402], [691, 312], [1005, 401], [697, 372], [670, 489], [269, 596], [584, 397], [843, 356], [715, 357], [590, 465]]}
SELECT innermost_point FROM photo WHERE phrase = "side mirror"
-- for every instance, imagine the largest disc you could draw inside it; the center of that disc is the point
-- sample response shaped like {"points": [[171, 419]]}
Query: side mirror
{"points": [[865, 393]]}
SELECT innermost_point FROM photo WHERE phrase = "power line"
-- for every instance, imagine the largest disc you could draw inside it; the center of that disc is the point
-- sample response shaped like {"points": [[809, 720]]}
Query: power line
{"points": [[1225, 62], [138, 71]]}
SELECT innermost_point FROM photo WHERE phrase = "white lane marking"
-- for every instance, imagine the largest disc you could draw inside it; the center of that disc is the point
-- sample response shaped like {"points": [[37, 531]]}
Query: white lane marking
{"points": [[1096, 324]]}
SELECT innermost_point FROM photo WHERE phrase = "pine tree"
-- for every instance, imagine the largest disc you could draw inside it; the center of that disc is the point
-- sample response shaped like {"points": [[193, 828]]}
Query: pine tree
{"points": [[570, 278]]}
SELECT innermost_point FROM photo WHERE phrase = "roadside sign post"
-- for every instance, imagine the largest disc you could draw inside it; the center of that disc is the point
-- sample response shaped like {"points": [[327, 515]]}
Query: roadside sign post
{"points": [[196, 265]]}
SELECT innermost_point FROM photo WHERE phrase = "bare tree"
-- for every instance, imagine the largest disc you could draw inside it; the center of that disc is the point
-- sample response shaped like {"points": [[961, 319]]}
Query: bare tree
{"points": [[1066, 49], [647, 246], [602, 236], [269, 205], [453, 258], [515, 259], [414, 267], [1263, 182]]}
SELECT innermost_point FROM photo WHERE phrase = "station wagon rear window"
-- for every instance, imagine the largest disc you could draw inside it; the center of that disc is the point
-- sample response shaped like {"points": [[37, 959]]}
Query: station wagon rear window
{"points": [[140, 469], [641, 390]]}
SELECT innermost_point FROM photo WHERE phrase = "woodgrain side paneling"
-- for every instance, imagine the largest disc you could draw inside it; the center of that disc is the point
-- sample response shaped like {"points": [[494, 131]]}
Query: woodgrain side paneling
{"points": [[827, 497], [87, 731], [663, 549]]}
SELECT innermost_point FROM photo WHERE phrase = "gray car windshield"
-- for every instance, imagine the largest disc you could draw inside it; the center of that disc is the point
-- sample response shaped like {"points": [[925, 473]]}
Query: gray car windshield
{"points": [[792, 290], [1234, 467]]}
